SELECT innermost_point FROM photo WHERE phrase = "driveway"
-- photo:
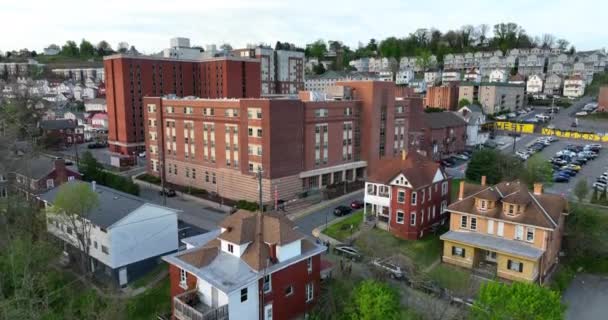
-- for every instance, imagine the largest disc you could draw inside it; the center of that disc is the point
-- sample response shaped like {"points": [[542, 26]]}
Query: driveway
{"points": [[587, 298]]}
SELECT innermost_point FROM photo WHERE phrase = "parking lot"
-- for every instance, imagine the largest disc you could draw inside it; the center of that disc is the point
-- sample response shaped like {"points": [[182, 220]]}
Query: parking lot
{"points": [[590, 171]]}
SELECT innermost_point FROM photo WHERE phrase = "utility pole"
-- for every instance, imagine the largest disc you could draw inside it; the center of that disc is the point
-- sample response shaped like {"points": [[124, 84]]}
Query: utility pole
{"points": [[261, 204]]}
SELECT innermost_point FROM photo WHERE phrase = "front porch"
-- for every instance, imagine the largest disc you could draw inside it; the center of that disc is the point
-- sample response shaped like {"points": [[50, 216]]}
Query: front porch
{"points": [[377, 214], [190, 306]]}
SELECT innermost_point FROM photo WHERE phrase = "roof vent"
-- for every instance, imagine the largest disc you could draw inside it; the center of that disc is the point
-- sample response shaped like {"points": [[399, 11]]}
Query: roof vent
{"points": [[115, 198]]}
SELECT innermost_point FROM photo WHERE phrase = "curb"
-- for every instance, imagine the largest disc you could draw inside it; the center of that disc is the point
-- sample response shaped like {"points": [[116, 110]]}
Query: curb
{"points": [[323, 204], [186, 196]]}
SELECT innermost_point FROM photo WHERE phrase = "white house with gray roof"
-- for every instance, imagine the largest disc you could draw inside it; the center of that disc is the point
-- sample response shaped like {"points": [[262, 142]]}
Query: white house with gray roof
{"points": [[128, 235]]}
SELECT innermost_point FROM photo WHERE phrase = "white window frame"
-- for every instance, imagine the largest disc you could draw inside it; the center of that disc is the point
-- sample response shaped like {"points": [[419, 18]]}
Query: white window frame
{"points": [[500, 231], [519, 232], [530, 230], [404, 193], [400, 220], [183, 278], [444, 188], [414, 198], [490, 226], [423, 196], [309, 264], [309, 292], [464, 222], [269, 282], [413, 218]]}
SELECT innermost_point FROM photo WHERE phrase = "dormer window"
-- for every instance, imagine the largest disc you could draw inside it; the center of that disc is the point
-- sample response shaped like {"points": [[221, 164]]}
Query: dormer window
{"points": [[483, 205], [230, 248], [511, 210]]}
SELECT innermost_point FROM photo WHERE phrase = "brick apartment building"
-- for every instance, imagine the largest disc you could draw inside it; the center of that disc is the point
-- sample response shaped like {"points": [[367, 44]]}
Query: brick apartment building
{"points": [[129, 78], [255, 266], [444, 97], [407, 196], [300, 144], [282, 71], [444, 133], [603, 99]]}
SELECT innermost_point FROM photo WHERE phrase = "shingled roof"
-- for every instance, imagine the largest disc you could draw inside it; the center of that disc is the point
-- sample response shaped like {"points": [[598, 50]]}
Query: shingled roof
{"points": [[417, 169], [440, 120], [542, 210]]}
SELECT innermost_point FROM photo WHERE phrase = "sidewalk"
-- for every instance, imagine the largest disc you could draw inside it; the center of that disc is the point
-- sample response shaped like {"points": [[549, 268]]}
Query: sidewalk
{"points": [[322, 205]]}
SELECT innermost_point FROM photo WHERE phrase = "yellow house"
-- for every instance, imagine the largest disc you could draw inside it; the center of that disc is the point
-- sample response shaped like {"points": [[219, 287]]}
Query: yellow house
{"points": [[505, 230]]}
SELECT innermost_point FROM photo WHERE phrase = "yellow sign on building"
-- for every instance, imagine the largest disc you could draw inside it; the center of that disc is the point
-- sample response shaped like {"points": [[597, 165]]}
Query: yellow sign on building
{"points": [[568, 134], [513, 126]]}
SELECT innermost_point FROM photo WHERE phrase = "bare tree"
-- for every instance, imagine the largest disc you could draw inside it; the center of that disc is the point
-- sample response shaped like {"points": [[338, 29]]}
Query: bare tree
{"points": [[72, 207], [562, 44], [547, 41], [483, 33]]}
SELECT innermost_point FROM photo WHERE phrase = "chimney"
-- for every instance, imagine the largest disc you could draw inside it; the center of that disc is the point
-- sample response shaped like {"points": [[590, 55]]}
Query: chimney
{"points": [[94, 185], [483, 181], [60, 171], [461, 191], [538, 189]]}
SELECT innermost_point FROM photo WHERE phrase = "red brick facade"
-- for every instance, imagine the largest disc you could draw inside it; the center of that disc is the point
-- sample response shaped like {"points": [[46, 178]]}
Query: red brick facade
{"points": [[303, 144], [603, 99], [444, 97], [175, 283], [290, 305], [426, 211], [130, 78]]}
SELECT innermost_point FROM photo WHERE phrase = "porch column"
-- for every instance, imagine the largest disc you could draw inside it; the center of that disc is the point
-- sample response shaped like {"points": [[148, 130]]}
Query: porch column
{"points": [[331, 178], [354, 175], [344, 175], [320, 181]]}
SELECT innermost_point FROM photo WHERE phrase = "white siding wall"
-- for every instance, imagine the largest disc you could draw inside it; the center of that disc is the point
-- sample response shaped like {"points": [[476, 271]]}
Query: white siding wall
{"points": [[289, 250], [147, 232], [205, 288], [248, 310], [238, 249]]}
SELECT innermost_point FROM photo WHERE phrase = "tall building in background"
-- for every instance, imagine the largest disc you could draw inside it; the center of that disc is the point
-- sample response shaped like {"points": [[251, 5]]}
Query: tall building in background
{"points": [[282, 71], [129, 78], [301, 143]]}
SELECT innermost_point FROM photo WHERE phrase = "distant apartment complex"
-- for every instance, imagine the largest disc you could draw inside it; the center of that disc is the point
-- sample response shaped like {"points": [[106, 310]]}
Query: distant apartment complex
{"points": [[299, 144], [282, 71], [494, 97], [329, 79], [129, 78], [505, 230]]}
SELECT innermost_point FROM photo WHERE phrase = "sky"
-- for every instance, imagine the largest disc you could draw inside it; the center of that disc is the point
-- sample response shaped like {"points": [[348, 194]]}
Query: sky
{"points": [[149, 24]]}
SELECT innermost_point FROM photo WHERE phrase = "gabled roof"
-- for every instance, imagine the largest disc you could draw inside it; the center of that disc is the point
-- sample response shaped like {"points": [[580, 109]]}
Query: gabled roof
{"points": [[542, 210], [57, 124], [440, 120], [417, 169], [36, 167], [113, 205]]}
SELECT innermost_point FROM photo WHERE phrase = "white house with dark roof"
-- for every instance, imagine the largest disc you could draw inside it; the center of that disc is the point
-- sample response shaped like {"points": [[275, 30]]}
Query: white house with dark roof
{"points": [[128, 235]]}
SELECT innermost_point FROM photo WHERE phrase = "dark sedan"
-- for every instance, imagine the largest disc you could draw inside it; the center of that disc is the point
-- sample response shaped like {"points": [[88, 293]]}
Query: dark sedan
{"points": [[342, 211]]}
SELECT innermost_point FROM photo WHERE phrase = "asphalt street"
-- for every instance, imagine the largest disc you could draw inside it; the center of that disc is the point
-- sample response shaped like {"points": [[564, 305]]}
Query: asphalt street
{"points": [[307, 223], [586, 298]]}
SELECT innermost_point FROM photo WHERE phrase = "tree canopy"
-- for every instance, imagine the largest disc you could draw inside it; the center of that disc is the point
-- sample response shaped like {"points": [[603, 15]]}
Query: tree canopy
{"points": [[498, 301], [537, 169], [494, 165], [374, 300]]}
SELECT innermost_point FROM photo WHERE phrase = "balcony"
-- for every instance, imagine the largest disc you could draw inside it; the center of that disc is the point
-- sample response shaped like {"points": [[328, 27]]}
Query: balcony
{"points": [[188, 306]]}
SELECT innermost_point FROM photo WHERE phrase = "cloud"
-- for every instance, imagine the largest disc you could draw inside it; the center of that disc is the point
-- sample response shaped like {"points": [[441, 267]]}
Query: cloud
{"points": [[149, 24]]}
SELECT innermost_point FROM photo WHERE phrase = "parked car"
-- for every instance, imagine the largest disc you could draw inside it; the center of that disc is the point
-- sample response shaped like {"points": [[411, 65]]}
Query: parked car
{"points": [[357, 204], [511, 115], [559, 178], [569, 172], [348, 252], [572, 167], [523, 154], [599, 186], [96, 145], [394, 271], [142, 154], [342, 211], [501, 117], [167, 192], [581, 113], [462, 156]]}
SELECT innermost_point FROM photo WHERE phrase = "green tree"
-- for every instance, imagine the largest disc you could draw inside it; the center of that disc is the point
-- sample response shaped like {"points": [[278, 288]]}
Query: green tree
{"points": [[484, 163], [70, 49], [498, 301], [104, 48], [73, 206], [87, 49], [537, 169], [464, 103], [319, 68], [89, 166], [581, 189], [374, 300], [317, 49]]}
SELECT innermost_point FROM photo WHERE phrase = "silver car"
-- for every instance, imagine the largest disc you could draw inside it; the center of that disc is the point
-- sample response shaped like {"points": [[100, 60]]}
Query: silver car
{"points": [[387, 266]]}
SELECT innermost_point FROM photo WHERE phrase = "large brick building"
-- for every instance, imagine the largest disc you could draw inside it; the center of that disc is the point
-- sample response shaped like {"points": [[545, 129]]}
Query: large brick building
{"points": [[256, 266], [407, 196], [445, 133], [444, 97], [129, 78], [301, 144], [603, 99]]}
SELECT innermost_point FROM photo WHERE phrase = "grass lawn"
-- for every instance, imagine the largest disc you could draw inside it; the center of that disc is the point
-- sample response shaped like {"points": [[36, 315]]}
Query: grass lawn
{"points": [[455, 189], [341, 230], [150, 303], [149, 276], [379, 243], [457, 280]]}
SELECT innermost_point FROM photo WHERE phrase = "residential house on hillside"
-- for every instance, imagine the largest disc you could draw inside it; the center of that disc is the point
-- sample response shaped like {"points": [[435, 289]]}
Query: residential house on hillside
{"points": [[407, 196], [127, 234], [33, 176], [96, 105], [534, 85], [574, 86], [553, 84], [444, 134], [404, 76], [505, 230], [65, 130], [450, 75], [477, 133], [517, 79], [256, 266], [432, 77], [472, 75], [498, 75]]}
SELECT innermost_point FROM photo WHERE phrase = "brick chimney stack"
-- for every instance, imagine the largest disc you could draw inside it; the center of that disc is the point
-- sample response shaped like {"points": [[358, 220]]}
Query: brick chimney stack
{"points": [[60, 172], [483, 181], [461, 191], [538, 189]]}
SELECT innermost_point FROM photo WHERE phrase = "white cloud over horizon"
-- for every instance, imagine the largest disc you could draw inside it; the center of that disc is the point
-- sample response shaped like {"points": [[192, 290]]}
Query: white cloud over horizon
{"points": [[149, 24]]}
